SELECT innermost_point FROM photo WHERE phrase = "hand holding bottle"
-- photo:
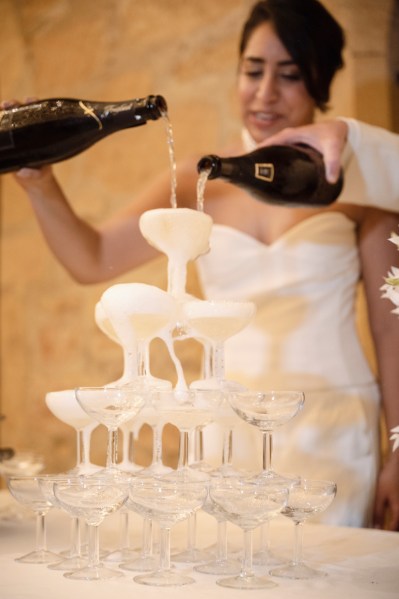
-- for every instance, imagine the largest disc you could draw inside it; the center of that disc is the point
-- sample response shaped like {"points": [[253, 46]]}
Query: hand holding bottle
{"points": [[46, 131], [32, 180], [328, 137], [287, 174]]}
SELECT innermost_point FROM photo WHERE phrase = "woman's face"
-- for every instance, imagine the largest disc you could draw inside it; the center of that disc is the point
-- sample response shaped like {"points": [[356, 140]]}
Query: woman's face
{"points": [[271, 91]]}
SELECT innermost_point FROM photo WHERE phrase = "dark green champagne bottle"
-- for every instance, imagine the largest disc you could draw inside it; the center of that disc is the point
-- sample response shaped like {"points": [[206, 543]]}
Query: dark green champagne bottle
{"points": [[290, 175], [55, 129]]}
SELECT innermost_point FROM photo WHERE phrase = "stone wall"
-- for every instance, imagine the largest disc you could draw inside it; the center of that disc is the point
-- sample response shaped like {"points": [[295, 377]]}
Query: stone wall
{"points": [[114, 50]]}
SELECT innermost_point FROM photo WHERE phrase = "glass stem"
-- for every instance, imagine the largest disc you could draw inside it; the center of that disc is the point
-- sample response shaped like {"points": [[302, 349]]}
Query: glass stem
{"points": [[75, 538], [129, 367], [85, 445], [246, 570], [298, 537], [207, 359], [218, 361], [265, 538], [183, 450], [132, 358], [125, 444], [221, 546], [164, 557], [199, 444], [267, 451], [177, 277], [191, 531], [124, 529], [112, 450], [147, 538], [157, 444], [142, 348], [94, 546], [227, 455], [41, 542], [79, 443]]}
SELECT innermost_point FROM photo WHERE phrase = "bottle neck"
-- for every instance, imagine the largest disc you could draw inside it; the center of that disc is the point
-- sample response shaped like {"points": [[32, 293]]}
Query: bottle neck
{"points": [[132, 113]]}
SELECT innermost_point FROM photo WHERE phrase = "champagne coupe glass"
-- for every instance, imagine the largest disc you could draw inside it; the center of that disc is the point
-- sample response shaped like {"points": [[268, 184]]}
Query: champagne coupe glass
{"points": [[129, 374], [182, 234], [111, 406], [74, 557], [167, 500], [130, 369], [221, 564], [27, 491], [138, 313], [64, 406], [247, 503], [267, 410], [92, 499], [187, 410], [306, 498], [150, 415], [217, 321]]}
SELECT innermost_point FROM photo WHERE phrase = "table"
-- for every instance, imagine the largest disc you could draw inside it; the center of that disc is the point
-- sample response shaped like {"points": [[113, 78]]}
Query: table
{"points": [[360, 563]]}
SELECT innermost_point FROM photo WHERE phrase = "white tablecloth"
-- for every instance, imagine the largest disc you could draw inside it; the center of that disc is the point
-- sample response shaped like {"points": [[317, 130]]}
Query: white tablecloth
{"points": [[360, 563]]}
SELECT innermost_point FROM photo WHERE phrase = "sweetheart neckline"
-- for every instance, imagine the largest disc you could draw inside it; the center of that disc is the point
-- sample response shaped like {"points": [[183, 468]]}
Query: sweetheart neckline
{"points": [[289, 232]]}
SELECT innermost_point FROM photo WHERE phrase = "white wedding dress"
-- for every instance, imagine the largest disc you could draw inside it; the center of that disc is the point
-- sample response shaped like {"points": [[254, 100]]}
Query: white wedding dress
{"points": [[303, 337]]}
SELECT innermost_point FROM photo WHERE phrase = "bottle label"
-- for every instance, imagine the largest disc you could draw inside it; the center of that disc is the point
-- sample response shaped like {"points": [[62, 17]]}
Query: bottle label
{"points": [[90, 112], [264, 171]]}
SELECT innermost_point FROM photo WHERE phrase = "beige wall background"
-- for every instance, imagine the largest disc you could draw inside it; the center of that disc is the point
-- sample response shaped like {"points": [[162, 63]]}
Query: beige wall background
{"points": [[115, 50]]}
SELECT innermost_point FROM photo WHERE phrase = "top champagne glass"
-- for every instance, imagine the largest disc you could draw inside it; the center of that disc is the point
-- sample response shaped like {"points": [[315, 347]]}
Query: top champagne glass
{"points": [[182, 234]]}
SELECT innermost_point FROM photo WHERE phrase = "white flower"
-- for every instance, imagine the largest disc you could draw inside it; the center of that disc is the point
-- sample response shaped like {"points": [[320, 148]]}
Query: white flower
{"points": [[395, 437], [391, 291], [395, 239], [391, 286]]}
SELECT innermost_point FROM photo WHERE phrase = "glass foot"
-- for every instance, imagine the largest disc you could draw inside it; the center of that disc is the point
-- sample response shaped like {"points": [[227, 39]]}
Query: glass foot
{"points": [[246, 582], [191, 556], [141, 564], [166, 578], [38, 557], [99, 572], [221, 567], [71, 563], [266, 558], [120, 555], [297, 572]]}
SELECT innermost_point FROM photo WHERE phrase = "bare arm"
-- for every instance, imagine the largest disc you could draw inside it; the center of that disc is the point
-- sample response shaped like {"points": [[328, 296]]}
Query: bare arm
{"points": [[93, 254], [378, 255]]}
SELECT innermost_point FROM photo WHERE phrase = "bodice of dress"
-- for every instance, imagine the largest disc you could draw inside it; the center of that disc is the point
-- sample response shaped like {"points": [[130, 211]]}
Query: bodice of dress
{"points": [[304, 287]]}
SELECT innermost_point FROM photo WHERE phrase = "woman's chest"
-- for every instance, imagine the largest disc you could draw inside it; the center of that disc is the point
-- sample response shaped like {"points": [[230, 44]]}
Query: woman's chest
{"points": [[265, 222]]}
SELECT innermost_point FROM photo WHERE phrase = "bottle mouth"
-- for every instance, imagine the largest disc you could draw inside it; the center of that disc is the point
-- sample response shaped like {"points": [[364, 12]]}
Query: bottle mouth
{"points": [[210, 164], [159, 103]]}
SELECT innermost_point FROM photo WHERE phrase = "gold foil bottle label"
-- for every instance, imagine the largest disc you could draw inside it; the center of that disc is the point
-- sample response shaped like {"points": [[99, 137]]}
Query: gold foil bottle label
{"points": [[264, 171], [90, 112]]}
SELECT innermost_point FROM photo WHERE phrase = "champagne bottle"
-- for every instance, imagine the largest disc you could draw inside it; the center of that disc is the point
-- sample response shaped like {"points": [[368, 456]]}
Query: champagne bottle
{"points": [[291, 175], [55, 129]]}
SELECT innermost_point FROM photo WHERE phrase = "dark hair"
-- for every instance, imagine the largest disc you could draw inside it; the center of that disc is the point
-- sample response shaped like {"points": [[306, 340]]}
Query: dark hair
{"points": [[311, 35]]}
